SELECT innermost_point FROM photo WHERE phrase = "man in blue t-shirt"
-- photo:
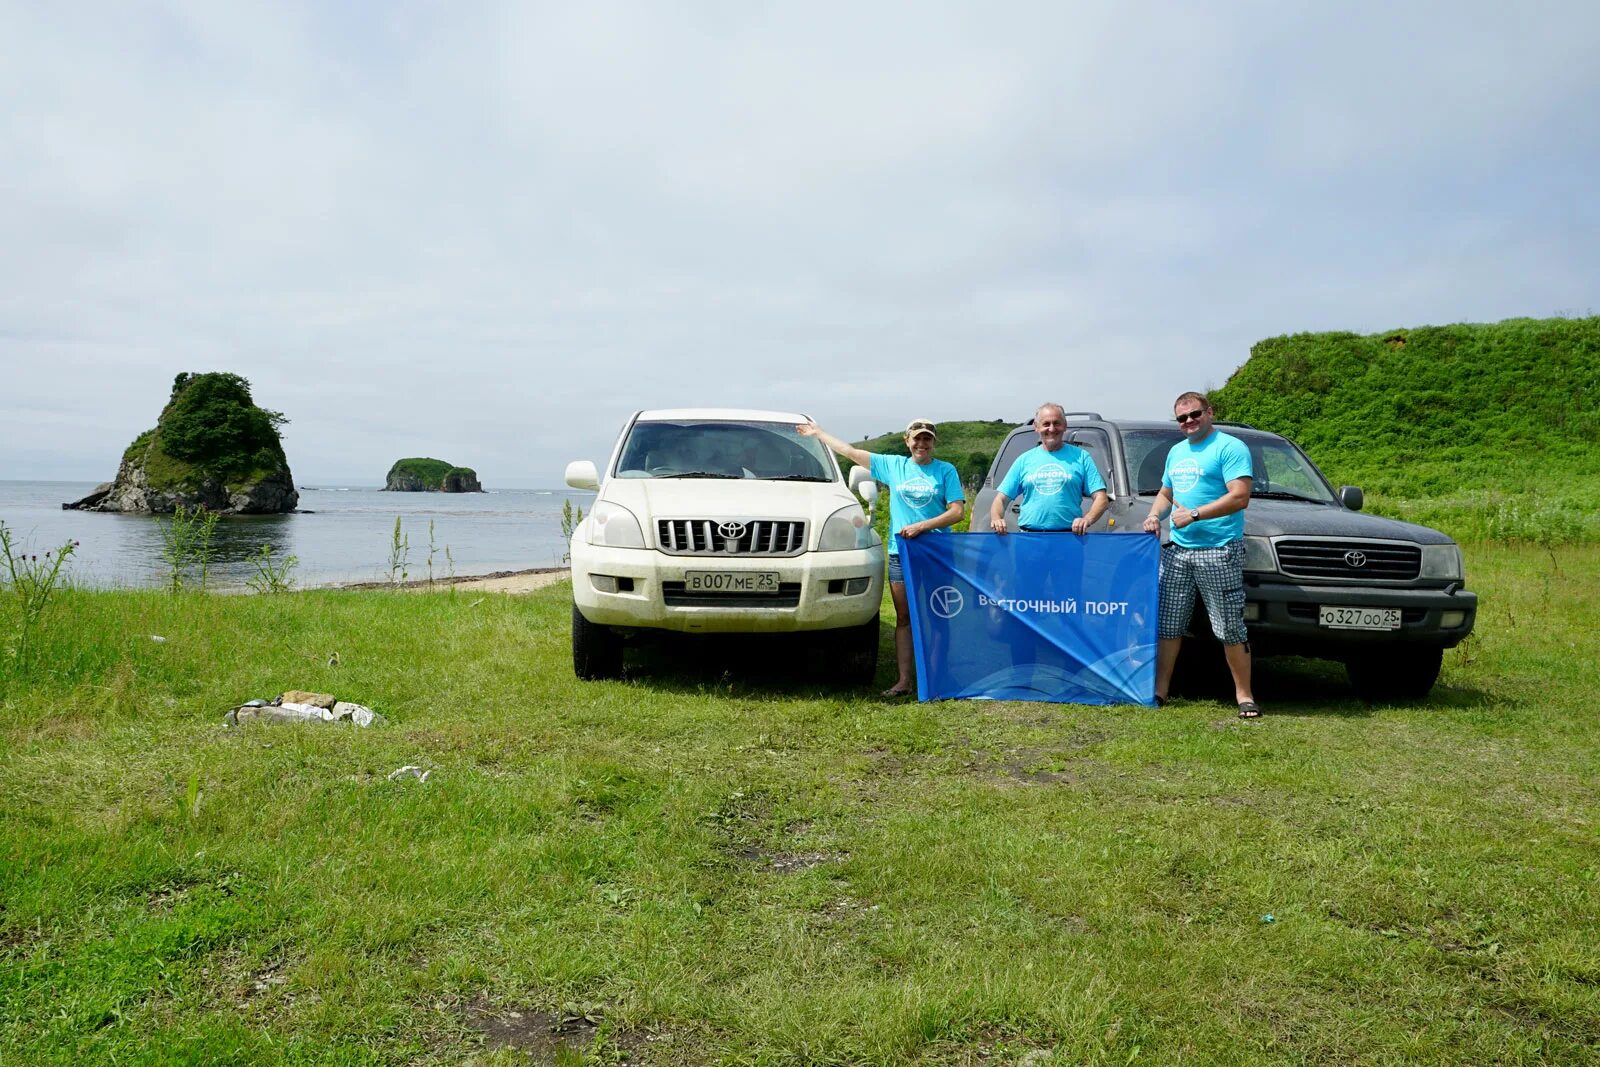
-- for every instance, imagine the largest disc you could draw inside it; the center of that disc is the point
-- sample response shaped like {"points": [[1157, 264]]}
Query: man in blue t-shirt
{"points": [[1051, 480], [1207, 485]]}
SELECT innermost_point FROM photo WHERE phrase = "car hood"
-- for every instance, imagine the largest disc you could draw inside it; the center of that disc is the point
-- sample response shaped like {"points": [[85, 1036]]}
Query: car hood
{"points": [[1279, 518], [733, 498]]}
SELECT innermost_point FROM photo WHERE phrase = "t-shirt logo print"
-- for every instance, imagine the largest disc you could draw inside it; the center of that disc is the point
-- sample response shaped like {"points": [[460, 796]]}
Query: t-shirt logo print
{"points": [[1049, 479], [1185, 474], [917, 491]]}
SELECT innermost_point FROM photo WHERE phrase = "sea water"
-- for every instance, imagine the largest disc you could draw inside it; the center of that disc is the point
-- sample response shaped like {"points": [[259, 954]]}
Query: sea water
{"points": [[339, 534]]}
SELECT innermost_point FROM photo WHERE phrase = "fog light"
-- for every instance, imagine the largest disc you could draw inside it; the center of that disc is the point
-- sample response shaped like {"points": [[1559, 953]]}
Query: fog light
{"points": [[856, 586], [1451, 619], [603, 583], [1252, 613]]}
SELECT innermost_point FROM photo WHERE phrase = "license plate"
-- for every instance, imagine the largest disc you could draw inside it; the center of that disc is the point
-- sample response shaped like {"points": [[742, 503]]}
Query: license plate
{"points": [[1342, 618], [731, 581]]}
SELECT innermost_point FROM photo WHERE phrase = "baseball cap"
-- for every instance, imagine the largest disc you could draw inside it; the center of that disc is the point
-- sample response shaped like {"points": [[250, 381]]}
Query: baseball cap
{"points": [[917, 427]]}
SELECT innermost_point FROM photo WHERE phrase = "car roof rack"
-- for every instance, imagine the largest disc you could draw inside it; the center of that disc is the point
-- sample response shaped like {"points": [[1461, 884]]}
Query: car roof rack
{"points": [[1092, 415]]}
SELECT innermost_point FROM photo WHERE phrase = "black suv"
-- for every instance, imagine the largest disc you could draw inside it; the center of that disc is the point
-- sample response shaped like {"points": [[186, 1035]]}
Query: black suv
{"points": [[1384, 597]]}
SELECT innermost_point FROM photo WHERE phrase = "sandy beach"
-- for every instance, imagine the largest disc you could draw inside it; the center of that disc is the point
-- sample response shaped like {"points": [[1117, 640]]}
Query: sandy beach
{"points": [[497, 582]]}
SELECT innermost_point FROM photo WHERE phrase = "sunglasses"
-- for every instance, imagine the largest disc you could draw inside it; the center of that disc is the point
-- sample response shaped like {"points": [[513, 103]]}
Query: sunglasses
{"points": [[1190, 416]]}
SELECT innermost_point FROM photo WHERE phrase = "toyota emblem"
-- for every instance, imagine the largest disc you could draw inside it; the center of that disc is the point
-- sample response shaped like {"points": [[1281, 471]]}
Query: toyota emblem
{"points": [[731, 531], [1356, 559]]}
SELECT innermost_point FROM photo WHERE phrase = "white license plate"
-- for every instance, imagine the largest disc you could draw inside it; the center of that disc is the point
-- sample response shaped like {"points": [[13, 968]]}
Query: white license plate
{"points": [[1342, 618], [731, 581]]}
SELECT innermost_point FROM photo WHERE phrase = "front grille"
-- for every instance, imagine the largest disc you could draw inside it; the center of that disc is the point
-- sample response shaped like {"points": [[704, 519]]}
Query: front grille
{"points": [[677, 596], [731, 537], [1369, 561]]}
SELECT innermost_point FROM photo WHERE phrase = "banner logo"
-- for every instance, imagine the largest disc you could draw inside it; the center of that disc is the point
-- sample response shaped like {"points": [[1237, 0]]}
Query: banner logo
{"points": [[946, 601]]}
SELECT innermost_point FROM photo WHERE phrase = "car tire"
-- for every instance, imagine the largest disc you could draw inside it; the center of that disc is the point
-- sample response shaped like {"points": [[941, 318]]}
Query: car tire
{"points": [[1404, 673], [596, 649], [858, 653]]}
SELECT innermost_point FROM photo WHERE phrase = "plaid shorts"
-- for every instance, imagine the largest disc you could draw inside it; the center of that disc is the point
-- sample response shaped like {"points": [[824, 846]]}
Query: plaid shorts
{"points": [[1217, 574]]}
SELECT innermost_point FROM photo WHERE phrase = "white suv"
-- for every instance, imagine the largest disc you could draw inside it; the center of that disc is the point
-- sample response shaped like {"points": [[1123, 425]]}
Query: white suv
{"points": [[723, 520]]}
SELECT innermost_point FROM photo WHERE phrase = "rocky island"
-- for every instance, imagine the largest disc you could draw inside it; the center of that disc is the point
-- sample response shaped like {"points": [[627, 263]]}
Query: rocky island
{"points": [[211, 448], [423, 475]]}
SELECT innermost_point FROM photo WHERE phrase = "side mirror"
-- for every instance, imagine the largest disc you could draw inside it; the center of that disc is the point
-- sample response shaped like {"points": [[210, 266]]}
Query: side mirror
{"points": [[1351, 497], [582, 475], [861, 483]]}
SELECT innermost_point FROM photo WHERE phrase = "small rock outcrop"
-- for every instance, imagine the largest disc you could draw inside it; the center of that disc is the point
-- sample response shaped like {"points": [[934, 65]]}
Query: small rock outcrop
{"points": [[212, 447], [421, 474]]}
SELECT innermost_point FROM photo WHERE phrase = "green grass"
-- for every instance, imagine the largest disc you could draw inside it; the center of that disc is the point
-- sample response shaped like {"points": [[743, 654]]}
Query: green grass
{"points": [[722, 863]]}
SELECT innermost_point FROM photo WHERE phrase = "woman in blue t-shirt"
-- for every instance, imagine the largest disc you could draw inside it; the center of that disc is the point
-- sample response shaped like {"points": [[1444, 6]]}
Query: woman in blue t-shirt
{"points": [[924, 494]]}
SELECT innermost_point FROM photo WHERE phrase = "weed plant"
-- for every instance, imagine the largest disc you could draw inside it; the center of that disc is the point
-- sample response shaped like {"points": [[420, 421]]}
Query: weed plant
{"points": [[28, 585], [186, 545], [272, 576], [719, 861]]}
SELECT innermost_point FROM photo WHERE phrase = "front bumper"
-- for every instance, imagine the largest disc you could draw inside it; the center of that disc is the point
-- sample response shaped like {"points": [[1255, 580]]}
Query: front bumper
{"points": [[1282, 617], [820, 590]]}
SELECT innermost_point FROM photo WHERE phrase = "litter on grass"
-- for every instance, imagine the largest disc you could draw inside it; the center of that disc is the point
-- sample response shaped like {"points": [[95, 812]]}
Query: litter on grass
{"points": [[298, 705]]}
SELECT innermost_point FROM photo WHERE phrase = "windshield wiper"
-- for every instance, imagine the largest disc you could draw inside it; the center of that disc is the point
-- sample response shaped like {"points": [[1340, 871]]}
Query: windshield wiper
{"points": [[792, 478], [700, 474], [1280, 494]]}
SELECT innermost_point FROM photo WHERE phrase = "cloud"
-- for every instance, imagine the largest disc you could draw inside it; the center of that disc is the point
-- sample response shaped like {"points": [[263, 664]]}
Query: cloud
{"points": [[489, 232]]}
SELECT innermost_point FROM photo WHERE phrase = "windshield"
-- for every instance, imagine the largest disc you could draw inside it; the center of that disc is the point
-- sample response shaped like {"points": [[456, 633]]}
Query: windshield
{"points": [[703, 448], [1282, 471]]}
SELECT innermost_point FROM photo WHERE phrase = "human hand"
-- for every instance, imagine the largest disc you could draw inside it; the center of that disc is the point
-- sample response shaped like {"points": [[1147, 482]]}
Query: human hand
{"points": [[1152, 524], [997, 525], [1080, 525], [806, 429], [908, 532], [1181, 516]]}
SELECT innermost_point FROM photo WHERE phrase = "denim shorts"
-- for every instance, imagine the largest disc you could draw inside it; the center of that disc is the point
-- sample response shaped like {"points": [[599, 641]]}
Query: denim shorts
{"points": [[895, 573], [1217, 574]]}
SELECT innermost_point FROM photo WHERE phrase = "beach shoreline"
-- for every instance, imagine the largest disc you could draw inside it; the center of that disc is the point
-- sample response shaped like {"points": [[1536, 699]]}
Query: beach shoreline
{"points": [[521, 581]]}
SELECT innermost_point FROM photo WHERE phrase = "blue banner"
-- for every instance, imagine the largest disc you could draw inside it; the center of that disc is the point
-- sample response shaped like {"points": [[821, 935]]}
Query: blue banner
{"points": [[1034, 616]]}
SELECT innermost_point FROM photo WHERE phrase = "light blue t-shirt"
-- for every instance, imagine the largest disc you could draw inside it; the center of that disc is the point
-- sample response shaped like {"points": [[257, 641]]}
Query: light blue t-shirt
{"points": [[916, 492], [1199, 474], [1052, 486]]}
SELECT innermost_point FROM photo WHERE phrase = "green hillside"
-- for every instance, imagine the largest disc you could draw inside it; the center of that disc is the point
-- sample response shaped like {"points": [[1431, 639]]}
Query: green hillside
{"points": [[1488, 430], [968, 445]]}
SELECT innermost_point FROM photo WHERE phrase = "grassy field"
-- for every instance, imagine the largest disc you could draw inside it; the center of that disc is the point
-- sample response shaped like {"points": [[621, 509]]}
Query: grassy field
{"points": [[714, 862]]}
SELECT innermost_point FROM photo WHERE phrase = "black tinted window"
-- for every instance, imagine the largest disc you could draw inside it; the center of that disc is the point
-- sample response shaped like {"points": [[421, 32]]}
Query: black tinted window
{"points": [[723, 450]]}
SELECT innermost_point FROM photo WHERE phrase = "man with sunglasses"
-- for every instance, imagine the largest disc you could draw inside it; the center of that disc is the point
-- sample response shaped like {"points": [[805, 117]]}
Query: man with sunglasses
{"points": [[1206, 483]]}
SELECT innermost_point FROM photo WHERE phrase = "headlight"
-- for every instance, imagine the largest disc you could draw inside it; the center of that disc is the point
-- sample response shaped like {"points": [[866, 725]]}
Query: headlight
{"points": [[1441, 561], [846, 529], [614, 526], [1258, 555]]}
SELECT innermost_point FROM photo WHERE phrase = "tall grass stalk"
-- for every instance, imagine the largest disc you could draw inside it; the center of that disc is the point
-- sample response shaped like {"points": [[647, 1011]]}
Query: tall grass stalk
{"points": [[570, 518], [399, 553]]}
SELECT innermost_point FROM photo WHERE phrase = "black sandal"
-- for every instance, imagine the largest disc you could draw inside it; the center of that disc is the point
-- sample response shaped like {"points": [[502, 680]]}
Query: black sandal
{"points": [[1248, 709]]}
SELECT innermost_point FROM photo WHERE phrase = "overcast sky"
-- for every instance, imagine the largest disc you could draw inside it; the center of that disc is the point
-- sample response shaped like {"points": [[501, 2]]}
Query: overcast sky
{"points": [[487, 233]]}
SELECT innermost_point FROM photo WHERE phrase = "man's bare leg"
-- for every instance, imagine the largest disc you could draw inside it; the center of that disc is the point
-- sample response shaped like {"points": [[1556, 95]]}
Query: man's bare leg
{"points": [[1239, 666], [1167, 650]]}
